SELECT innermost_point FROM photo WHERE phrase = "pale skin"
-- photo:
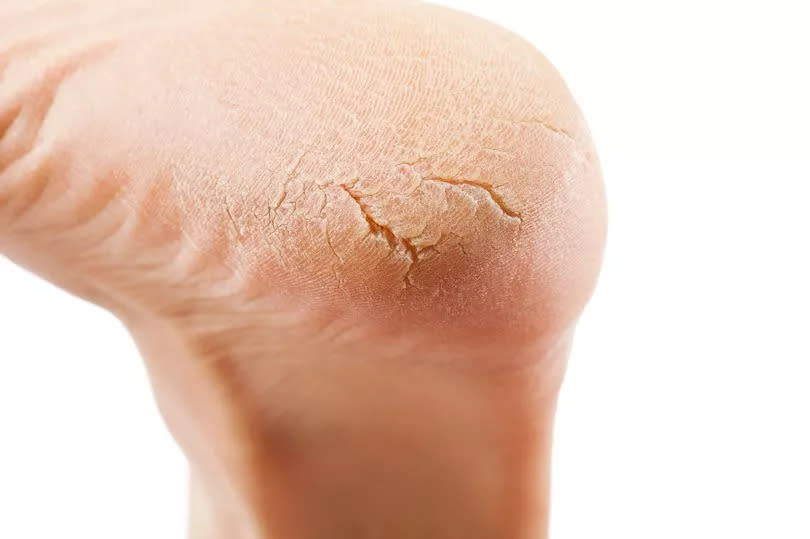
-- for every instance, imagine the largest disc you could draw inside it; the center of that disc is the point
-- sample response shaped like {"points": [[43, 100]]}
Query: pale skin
{"points": [[351, 240]]}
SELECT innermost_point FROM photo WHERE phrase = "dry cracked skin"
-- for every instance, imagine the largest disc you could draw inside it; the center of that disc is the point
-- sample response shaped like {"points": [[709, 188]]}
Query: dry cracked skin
{"points": [[296, 181], [396, 177]]}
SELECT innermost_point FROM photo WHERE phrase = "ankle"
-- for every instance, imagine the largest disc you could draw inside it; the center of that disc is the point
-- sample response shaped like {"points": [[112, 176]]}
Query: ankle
{"points": [[415, 452]]}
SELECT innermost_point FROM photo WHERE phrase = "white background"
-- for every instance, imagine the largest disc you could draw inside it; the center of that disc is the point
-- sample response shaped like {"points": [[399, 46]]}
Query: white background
{"points": [[686, 411]]}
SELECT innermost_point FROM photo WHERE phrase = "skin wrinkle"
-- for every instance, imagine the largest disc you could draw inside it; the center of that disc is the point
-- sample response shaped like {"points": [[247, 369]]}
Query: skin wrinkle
{"points": [[36, 185], [16, 50], [169, 224], [8, 120], [32, 144], [45, 93], [96, 204]]}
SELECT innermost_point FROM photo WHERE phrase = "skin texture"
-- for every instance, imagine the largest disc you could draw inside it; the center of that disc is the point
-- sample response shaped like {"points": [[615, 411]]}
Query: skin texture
{"points": [[351, 240]]}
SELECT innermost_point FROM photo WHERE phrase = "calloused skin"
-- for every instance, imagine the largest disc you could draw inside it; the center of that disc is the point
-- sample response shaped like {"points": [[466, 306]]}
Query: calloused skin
{"points": [[351, 239]]}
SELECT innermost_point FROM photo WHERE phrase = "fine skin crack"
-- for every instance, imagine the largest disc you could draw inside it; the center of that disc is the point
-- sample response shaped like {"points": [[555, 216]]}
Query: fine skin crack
{"points": [[232, 219], [396, 242], [489, 189], [379, 229], [541, 123]]}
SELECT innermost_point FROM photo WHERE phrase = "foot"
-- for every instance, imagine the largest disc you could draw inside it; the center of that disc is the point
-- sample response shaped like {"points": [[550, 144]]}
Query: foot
{"points": [[350, 238]]}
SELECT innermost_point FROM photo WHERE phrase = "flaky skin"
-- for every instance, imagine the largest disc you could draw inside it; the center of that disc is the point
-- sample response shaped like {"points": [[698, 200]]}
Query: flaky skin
{"points": [[388, 159]]}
